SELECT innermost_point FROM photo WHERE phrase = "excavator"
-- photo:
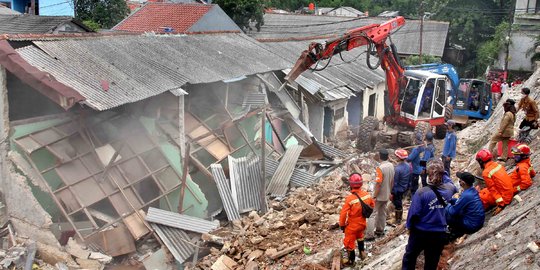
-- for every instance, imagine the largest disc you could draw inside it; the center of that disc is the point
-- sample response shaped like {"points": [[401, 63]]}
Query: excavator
{"points": [[415, 100]]}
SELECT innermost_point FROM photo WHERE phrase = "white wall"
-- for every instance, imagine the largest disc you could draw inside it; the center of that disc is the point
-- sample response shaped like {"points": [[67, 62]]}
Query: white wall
{"points": [[379, 100]]}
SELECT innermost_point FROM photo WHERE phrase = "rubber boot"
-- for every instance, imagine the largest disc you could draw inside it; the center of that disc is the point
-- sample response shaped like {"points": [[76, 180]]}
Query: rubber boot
{"points": [[361, 250], [399, 216], [352, 258]]}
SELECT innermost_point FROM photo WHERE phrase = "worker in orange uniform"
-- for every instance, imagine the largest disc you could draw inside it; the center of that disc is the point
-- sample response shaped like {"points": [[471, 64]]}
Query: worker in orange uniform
{"points": [[351, 220], [499, 190], [522, 176]]}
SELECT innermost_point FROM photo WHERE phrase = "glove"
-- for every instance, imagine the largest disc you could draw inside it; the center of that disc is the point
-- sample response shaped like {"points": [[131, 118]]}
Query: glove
{"points": [[498, 210], [342, 228]]}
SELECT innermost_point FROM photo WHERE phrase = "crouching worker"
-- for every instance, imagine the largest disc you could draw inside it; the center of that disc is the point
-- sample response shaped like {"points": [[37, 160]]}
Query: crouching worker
{"points": [[466, 214], [522, 176], [499, 190], [351, 220], [426, 221]]}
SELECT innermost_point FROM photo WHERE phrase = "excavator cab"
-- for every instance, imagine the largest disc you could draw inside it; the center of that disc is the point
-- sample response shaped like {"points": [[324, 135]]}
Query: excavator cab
{"points": [[424, 96]]}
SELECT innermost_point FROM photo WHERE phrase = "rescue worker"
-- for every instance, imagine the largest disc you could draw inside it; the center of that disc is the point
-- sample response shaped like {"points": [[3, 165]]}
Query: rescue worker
{"points": [[506, 129], [524, 172], [351, 221], [414, 158], [449, 146], [528, 105], [402, 177], [466, 214], [426, 221], [381, 194], [499, 190], [429, 152]]}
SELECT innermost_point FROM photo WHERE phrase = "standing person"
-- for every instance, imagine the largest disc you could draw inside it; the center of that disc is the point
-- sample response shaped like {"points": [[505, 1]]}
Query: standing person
{"points": [[506, 129], [383, 188], [499, 190], [504, 87], [524, 172], [414, 158], [528, 105], [426, 221], [402, 177], [351, 220], [449, 146], [429, 152], [466, 214], [495, 92]]}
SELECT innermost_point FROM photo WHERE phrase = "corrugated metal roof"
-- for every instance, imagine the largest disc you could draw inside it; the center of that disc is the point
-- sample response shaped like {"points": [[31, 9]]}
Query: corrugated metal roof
{"points": [[246, 180], [115, 70], [341, 92], [225, 192], [180, 221], [24, 24], [176, 240], [285, 26], [280, 180], [299, 177], [330, 151]]}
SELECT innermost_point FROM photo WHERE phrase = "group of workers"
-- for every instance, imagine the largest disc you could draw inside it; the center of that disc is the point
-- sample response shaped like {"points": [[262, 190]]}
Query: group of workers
{"points": [[437, 214]]}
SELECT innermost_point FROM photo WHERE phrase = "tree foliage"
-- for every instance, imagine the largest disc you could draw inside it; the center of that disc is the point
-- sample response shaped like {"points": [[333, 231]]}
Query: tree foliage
{"points": [[489, 51], [244, 12], [106, 13]]}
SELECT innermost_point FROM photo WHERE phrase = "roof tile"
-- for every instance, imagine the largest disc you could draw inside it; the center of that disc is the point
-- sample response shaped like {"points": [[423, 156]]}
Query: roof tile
{"points": [[156, 17]]}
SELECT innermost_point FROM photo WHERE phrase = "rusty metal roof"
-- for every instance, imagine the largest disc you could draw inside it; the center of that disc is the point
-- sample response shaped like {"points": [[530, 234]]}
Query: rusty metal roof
{"points": [[176, 240], [180, 221], [115, 70], [225, 193]]}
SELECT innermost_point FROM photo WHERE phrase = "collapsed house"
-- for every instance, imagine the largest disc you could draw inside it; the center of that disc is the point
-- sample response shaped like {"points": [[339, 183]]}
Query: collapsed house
{"points": [[111, 138]]}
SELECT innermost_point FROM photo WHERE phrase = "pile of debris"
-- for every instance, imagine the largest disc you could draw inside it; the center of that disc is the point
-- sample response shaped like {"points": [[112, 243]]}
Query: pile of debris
{"points": [[304, 223]]}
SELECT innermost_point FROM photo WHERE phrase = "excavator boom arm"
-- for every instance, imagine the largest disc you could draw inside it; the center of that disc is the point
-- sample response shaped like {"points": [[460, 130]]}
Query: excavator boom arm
{"points": [[375, 34]]}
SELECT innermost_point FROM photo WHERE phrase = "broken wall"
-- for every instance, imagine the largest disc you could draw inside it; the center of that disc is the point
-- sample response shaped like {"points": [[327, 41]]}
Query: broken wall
{"points": [[24, 212]]}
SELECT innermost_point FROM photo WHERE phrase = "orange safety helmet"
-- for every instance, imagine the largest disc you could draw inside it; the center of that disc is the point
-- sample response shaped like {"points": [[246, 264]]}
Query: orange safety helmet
{"points": [[355, 180], [484, 155], [521, 149], [401, 153]]}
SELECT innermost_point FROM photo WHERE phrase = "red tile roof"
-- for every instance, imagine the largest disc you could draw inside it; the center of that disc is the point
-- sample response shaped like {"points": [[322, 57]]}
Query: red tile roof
{"points": [[158, 16]]}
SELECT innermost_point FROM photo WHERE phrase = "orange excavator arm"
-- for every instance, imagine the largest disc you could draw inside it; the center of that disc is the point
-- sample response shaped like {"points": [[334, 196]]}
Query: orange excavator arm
{"points": [[374, 36]]}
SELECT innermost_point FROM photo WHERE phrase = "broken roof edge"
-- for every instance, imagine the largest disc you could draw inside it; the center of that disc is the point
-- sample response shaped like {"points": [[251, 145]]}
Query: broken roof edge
{"points": [[43, 82]]}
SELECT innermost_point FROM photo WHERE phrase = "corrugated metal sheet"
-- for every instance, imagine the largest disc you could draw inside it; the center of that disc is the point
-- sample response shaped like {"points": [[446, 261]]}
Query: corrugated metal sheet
{"points": [[286, 26], [225, 192], [254, 100], [176, 240], [299, 177], [280, 180], [115, 70], [180, 221], [330, 151], [246, 182], [337, 93]]}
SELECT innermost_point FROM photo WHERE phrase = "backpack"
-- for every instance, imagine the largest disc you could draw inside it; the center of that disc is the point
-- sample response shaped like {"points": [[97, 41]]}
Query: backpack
{"points": [[366, 209]]}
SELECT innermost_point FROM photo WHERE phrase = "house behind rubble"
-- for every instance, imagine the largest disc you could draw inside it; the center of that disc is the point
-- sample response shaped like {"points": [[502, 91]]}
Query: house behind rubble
{"points": [[337, 98]]}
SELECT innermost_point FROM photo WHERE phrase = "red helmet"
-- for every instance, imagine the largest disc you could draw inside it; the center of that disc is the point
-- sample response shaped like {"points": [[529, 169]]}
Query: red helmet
{"points": [[401, 153], [355, 180], [521, 149], [484, 155]]}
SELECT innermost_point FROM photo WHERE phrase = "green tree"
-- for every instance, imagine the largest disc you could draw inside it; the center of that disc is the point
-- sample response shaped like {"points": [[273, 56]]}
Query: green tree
{"points": [[106, 13], [415, 60], [244, 12], [489, 51]]}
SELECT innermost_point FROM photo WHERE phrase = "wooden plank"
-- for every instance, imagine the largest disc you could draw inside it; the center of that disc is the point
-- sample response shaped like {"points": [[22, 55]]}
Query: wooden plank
{"points": [[136, 226], [114, 242], [285, 251]]}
